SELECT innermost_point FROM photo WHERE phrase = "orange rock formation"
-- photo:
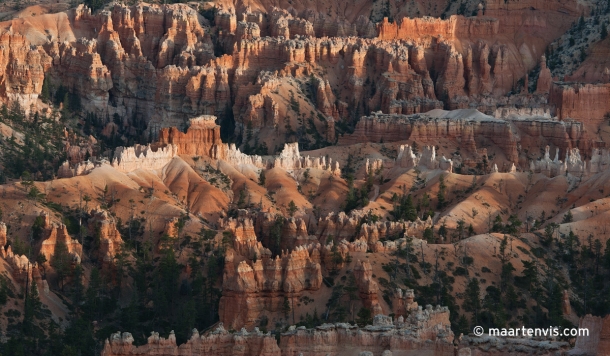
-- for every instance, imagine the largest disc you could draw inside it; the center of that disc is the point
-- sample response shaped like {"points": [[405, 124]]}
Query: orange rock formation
{"points": [[254, 289]]}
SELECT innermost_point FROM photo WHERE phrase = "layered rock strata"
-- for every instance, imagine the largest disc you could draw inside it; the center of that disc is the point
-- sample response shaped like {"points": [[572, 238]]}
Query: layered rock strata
{"points": [[158, 64], [253, 289], [425, 331], [22, 68], [598, 340], [200, 139], [472, 130], [584, 102]]}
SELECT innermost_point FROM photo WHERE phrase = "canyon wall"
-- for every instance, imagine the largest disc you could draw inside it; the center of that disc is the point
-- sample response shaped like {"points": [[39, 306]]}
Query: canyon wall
{"points": [[159, 64], [455, 26], [588, 103], [472, 131]]}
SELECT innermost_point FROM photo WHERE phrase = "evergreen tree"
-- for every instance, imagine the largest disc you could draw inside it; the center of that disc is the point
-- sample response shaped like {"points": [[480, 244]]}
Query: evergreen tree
{"points": [[365, 317], [78, 290], [92, 295], [45, 93], [472, 299], [60, 261], [292, 208], [494, 307], [497, 226]]}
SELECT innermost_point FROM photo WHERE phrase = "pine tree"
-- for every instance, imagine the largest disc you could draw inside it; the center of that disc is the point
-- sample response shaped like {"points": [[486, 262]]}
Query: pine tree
{"points": [[78, 290], [45, 93], [292, 208], [365, 317], [472, 301], [92, 295], [32, 306], [60, 261]]}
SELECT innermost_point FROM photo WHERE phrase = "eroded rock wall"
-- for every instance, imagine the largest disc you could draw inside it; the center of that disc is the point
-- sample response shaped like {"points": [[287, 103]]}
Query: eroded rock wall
{"points": [[587, 103], [252, 290]]}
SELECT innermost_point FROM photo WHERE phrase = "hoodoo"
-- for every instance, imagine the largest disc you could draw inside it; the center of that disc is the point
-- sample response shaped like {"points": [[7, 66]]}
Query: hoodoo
{"points": [[313, 178]]}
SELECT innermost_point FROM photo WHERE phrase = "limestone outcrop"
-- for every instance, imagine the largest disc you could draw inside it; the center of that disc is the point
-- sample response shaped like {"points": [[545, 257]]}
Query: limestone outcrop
{"points": [[403, 302], [427, 158], [23, 270], [245, 242], [367, 287], [345, 227], [23, 69], [128, 159], [254, 289], [543, 86], [53, 234], [574, 166], [200, 139], [104, 227], [465, 126], [425, 330], [587, 103], [473, 131], [218, 342], [291, 159]]}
